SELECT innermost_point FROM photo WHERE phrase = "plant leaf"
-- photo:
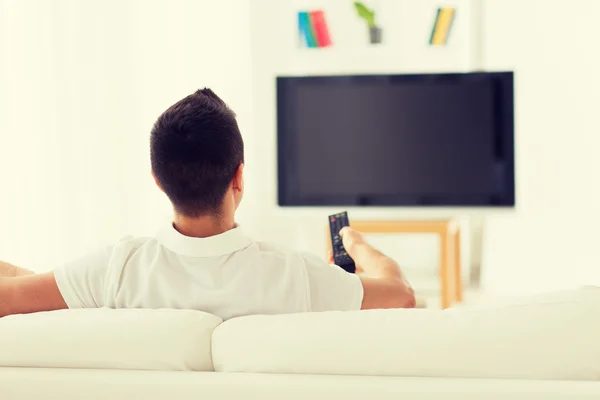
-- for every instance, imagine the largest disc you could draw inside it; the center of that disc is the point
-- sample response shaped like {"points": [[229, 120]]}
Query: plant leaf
{"points": [[364, 12]]}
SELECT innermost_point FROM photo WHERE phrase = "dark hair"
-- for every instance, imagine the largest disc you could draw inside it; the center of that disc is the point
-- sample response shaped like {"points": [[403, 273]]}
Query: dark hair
{"points": [[195, 149]]}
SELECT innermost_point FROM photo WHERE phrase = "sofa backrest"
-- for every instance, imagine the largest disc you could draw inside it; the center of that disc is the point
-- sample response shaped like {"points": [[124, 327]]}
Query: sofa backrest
{"points": [[554, 336], [109, 339]]}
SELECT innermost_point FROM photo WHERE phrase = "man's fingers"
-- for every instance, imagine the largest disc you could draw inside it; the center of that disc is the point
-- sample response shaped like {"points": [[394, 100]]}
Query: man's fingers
{"points": [[330, 257], [344, 230]]}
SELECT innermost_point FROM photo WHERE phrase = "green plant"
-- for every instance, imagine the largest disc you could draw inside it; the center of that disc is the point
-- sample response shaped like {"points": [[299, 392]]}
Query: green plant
{"points": [[365, 13]]}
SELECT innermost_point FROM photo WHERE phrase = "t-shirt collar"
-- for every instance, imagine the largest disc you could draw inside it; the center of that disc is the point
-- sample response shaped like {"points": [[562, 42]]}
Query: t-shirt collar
{"points": [[212, 246]]}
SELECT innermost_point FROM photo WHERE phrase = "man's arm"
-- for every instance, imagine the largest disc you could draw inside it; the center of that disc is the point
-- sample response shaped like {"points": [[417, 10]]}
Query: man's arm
{"points": [[22, 291], [30, 293], [77, 284], [10, 271], [384, 284]]}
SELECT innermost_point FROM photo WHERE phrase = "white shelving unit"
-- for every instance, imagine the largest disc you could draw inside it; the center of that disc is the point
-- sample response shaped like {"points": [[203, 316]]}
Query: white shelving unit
{"points": [[406, 27]]}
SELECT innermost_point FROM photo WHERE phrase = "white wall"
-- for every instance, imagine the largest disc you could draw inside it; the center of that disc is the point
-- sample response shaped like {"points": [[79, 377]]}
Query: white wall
{"points": [[552, 240], [81, 83]]}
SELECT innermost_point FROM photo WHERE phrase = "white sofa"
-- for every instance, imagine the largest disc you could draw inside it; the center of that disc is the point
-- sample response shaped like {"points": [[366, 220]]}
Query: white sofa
{"points": [[537, 348]]}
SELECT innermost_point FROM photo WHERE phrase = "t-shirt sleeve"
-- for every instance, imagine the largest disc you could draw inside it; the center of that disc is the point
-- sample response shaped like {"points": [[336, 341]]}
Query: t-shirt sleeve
{"points": [[81, 282], [331, 288]]}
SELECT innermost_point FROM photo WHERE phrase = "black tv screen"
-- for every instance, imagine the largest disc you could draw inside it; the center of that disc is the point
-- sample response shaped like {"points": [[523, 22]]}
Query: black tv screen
{"points": [[396, 140]]}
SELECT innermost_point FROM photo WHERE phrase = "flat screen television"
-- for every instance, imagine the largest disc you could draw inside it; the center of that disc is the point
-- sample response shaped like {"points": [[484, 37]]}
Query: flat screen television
{"points": [[430, 140]]}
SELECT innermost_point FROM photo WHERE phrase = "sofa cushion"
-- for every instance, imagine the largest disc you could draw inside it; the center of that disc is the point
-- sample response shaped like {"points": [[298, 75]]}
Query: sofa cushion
{"points": [[549, 337], [109, 339]]}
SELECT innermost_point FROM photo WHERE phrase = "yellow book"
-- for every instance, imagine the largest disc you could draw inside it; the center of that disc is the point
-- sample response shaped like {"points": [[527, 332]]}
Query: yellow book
{"points": [[442, 26]]}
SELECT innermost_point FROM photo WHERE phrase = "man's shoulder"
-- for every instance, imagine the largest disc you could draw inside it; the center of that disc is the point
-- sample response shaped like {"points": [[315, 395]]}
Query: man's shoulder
{"points": [[131, 244]]}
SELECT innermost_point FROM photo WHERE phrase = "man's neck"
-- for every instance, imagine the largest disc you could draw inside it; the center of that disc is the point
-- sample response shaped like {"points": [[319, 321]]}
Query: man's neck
{"points": [[204, 226]]}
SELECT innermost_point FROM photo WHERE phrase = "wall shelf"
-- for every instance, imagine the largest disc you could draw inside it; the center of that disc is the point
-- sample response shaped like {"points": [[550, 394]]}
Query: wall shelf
{"points": [[374, 59]]}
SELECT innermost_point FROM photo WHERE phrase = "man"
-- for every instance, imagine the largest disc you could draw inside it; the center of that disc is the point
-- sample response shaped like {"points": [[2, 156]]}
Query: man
{"points": [[203, 261]]}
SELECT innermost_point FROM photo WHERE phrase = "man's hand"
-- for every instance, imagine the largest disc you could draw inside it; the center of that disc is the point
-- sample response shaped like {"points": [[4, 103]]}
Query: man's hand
{"points": [[330, 260], [383, 282], [351, 240]]}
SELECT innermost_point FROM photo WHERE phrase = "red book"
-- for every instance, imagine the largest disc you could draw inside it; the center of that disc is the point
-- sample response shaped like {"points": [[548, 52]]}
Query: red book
{"points": [[317, 19]]}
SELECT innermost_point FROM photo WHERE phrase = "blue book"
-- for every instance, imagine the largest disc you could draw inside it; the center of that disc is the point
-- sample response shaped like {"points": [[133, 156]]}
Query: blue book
{"points": [[306, 29]]}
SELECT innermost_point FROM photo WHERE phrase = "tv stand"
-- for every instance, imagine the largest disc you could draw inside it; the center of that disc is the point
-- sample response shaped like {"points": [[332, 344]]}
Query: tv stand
{"points": [[449, 233]]}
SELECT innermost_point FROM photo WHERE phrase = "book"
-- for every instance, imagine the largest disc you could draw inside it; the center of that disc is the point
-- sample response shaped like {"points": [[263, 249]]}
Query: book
{"points": [[442, 26], [320, 28], [306, 29]]}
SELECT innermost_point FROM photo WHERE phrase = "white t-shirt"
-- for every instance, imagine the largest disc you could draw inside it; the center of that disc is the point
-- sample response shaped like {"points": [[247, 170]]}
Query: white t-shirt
{"points": [[228, 275]]}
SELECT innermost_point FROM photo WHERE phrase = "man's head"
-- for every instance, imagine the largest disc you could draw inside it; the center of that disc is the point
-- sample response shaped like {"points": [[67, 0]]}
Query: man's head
{"points": [[197, 155]]}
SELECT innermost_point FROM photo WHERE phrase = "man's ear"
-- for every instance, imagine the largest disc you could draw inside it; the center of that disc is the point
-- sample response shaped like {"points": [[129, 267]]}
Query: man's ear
{"points": [[156, 181], [238, 179]]}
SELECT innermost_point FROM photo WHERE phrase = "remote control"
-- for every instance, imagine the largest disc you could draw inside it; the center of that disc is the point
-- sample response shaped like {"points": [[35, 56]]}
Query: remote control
{"points": [[340, 256]]}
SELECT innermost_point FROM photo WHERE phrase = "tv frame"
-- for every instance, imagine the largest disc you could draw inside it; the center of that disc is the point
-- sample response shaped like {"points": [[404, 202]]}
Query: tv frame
{"points": [[505, 82]]}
